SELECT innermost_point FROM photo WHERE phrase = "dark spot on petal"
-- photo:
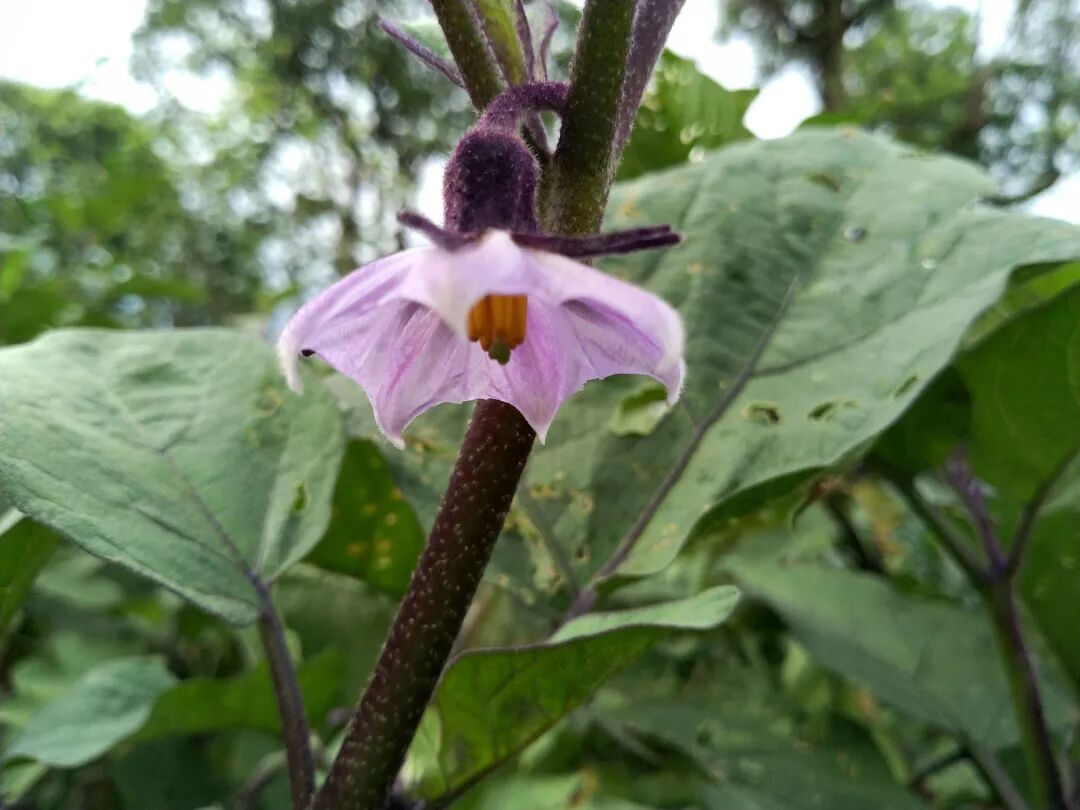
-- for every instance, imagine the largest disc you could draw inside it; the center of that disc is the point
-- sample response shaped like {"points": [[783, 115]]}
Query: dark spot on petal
{"points": [[307, 352]]}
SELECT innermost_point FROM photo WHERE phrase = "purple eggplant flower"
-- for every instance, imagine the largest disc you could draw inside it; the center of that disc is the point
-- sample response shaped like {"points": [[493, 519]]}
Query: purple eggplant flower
{"points": [[486, 319]]}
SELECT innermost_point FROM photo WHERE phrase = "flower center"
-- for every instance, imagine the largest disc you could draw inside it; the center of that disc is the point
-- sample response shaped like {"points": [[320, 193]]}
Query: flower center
{"points": [[498, 323]]}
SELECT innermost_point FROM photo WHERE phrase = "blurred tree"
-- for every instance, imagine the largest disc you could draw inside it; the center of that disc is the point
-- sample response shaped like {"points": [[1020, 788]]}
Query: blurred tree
{"points": [[93, 229], [915, 74], [324, 124], [810, 31], [1035, 99], [915, 71]]}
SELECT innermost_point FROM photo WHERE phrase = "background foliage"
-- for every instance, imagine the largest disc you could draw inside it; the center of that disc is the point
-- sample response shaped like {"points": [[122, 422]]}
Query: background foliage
{"points": [[859, 305]]}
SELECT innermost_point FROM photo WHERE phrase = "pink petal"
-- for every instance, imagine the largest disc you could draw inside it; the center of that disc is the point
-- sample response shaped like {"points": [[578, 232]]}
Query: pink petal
{"points": [[567, 346], [456, 281], [345, 312], [620, 328], [397, 327]]}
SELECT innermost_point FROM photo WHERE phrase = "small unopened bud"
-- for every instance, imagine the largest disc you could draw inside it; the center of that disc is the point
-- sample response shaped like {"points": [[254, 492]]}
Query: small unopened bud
{"points": [[492, 177]]}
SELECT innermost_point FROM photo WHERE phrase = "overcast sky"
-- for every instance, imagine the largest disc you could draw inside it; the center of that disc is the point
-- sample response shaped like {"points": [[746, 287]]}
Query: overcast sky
{"points": [[60, 43]]}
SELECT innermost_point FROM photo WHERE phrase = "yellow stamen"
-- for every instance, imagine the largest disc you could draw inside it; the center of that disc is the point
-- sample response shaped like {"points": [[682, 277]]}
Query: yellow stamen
{"points": [[499, 318]]}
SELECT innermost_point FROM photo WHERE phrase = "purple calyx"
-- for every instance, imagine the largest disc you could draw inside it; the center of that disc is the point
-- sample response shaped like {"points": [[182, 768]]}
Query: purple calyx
{"points": [[589, 246], [491, 182]]}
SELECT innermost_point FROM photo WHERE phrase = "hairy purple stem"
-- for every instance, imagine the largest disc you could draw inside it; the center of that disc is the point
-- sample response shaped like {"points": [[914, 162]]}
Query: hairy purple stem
{"points": [[958, 472], [423, 52], [652, 23], [509, 108], [466, 527], [999, 595]]}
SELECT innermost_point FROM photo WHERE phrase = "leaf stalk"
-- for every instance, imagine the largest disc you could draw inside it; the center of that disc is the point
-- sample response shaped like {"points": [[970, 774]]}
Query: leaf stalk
{"points": [[295, 732]]}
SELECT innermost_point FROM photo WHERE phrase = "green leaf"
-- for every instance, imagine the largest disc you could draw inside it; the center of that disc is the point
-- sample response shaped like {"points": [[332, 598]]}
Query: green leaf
{"points": [[925, 436], [53, 669], [1050, 584], [759, 759], [78, 580], [750, 745], [1028, 289], [180, 455], [1025, 390], [932, 659], [683, 113], [640, 413], [168, 775], [824, 280], [25, 547], [577, 791], [105, 707], [374, 534], [201, 705], [17, 778], [492, 703]]}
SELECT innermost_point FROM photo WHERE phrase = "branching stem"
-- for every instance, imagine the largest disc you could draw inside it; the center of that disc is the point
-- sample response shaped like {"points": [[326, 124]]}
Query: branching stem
{"points": [[499, 439], [996, 583]]}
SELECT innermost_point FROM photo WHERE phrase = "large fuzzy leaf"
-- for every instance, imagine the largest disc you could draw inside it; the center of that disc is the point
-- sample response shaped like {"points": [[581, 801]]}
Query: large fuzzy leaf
{"points": [[491, 703], [824, 280], [932, 659], [25, 547], [107, 705], [180, 455]]}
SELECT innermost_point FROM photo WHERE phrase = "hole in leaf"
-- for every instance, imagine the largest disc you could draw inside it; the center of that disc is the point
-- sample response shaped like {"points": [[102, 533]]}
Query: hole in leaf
{"points": [[827, 410], [823, 179], [640, 413], [763, 412], [300, 499], [704, 735], [906, 386], [823, 412]]}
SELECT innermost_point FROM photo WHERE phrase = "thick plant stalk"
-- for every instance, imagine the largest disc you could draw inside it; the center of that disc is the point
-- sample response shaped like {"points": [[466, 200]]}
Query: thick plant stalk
{"points": [[462, 538], [583, 166], [499, 439], [469, 45]]}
